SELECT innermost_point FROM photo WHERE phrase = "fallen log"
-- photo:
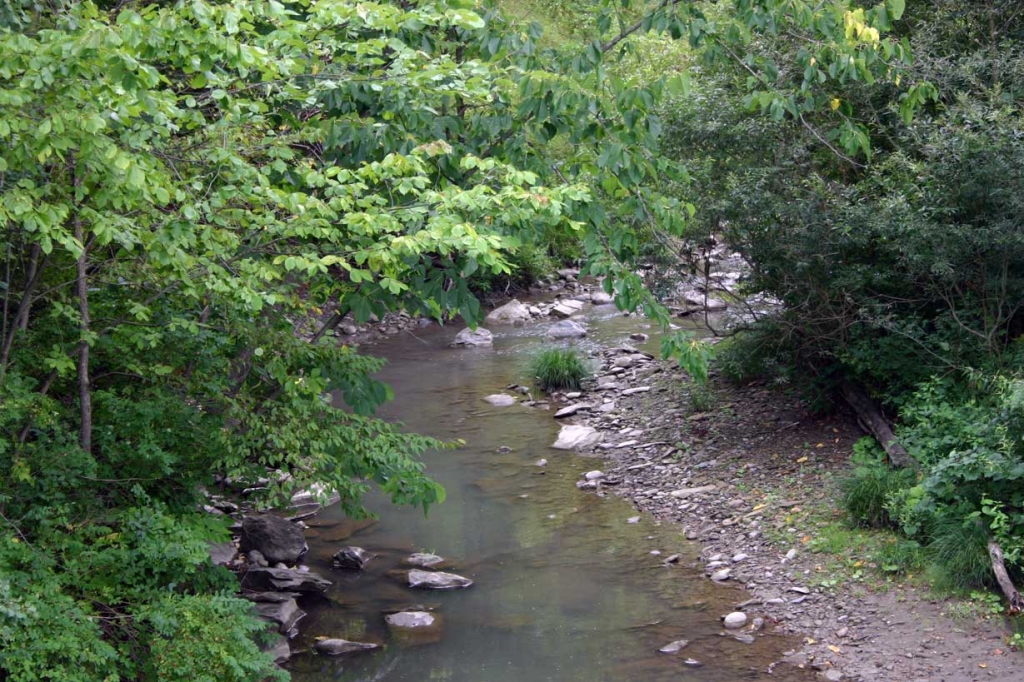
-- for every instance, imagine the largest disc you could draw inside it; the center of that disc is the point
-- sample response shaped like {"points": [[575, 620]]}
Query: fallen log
{"points": [[870, 418], [1003, 578]]}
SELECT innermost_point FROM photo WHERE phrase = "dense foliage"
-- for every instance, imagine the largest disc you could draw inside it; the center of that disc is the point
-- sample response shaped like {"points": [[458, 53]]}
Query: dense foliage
{"points": [[900, 265]]}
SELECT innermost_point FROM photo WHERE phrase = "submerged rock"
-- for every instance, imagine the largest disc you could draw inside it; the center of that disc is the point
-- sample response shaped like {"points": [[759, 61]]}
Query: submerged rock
{"points": [[500, 400], [577, 436], [674, 647], [278, 540], [437, 580], [410, 619], [473, 337], [354, 558], [336, 647], [512, 312], [601, 298], [424, 560], [566, 329]]}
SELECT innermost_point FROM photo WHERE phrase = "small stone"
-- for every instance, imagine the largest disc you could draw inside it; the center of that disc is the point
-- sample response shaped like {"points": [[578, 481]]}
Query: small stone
{"points": [[594, 475], [541, 463], [693, 663], [256, 558], [791, 554], [424, 560], [722, 575], [832, 675], [739, 557], [437, 580], [633, 519], [353, 558], [744, 638], [735, 620], [410, 619], [500, 400]]}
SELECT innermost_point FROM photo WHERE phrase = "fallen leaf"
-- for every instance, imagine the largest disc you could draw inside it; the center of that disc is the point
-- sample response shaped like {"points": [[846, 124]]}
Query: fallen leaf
{"points": [[834, 649], [820, 445], [801, 460], [983, 665], [810, 640]]}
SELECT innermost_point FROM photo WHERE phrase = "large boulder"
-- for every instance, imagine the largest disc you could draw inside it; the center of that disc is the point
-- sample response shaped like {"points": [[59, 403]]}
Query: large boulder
{"points": [[278, 540], [512, 312], [437, 580], [575, 436], [354, 558], [337, 647], [284, 580], [473, 337], [566, 329]]}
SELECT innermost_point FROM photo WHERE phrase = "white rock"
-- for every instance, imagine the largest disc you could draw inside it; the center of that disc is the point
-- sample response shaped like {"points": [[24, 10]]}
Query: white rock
{"points": [[638, 389], [594, 475], [512, 312], [500, 400], [722, 575], [674, 647], [601, 298], [577, 436], [734, 620], [469, 337], [687, 492], [410, 619]]}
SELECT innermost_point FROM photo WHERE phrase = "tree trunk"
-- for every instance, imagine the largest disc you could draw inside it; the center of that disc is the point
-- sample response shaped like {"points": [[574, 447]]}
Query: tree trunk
{"points": [[82, 286], [871, 420], [995, 552], [20, 323]]}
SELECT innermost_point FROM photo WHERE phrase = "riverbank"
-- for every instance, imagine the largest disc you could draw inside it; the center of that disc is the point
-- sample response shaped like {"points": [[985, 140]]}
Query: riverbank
{"points": [[752, 476]]}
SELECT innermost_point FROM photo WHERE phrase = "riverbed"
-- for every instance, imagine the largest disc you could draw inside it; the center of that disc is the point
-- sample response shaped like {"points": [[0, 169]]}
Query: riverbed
{"points": [[568, 585]]}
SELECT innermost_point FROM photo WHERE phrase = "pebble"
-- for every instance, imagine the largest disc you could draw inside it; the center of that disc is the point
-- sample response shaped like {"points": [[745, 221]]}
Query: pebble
{"points": [[594, 475], [674, 647], [722, 575]]}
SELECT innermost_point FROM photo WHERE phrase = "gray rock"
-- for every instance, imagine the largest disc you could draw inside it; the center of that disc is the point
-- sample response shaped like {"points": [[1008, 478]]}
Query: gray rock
{"points": [[410, 619], [674, 647], [735, 620], [278, 649], [278, 540], [832, 675], [473, 337], [601, 298], [437, 580], [594, 475], [722, 575], [570, 410], [500, 400], [566, 329], [284, 579], [638, 389], [566, 308], [337, 647], [424, 560], [349, 329], [354, 558], [285, 613], [577, 436], [512, 312], [222, 552], [639, 336]]}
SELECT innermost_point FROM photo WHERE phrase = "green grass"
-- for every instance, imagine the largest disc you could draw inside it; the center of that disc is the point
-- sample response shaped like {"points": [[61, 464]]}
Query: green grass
{"points": [[867, 489], [559, 368]]}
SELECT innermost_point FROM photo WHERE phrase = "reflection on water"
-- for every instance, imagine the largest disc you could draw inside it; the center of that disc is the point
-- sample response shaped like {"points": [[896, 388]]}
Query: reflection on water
{"points": [[566, 589]]}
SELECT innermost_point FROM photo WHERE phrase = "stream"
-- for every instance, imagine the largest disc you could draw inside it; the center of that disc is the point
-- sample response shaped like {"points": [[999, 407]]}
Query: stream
{"points": [[566, 586]]}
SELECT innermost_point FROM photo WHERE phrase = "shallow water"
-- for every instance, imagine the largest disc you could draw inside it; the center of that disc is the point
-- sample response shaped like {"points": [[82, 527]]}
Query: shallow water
{"points": [[566, 589]]}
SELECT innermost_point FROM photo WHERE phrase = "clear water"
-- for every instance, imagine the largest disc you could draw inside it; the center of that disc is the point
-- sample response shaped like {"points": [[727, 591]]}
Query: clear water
{"points": [[566, 589]]}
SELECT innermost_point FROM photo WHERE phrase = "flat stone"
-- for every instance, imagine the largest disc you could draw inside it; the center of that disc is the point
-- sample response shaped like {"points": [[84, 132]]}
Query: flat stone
{"points": [[674, 647], [638, 389], [284, 579], [437, 580], [500, 400], [221, 552], [570, 410], [285, 613], [721, 575], [337, 647], [688, 492], [566, 308]]}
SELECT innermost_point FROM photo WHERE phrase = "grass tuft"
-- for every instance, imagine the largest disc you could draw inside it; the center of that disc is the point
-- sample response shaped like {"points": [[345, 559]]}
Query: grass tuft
{"points": [[866, 491], [559, 368]]}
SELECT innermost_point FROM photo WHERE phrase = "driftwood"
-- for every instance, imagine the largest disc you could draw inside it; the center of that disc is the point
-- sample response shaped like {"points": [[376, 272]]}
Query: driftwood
{"points": [[1003, 578], [871, 420]]}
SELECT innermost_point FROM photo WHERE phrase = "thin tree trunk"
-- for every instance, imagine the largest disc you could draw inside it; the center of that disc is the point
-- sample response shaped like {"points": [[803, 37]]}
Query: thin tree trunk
{"points": [[84, 389], [35, 271], [328, 326]]}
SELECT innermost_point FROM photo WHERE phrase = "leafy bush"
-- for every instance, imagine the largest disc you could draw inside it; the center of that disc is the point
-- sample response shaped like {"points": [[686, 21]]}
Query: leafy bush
{"points": [[557, 368], [868, 490]]}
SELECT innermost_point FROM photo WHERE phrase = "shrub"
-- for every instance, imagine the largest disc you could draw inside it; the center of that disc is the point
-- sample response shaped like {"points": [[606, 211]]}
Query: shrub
{"points": [[557, 368], [868, 490]]}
